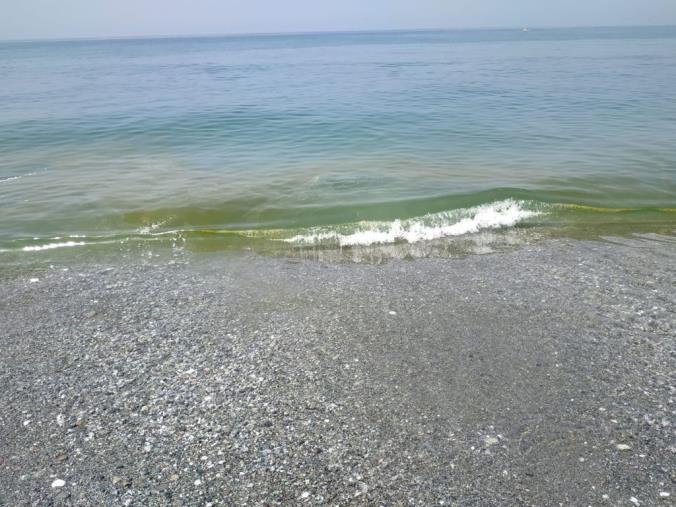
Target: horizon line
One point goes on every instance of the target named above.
(317, 32)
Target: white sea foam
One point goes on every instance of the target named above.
(18, 177)
(457, 222)
(148, 229)
(49, 246)
(10, 178)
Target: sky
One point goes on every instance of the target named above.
(38, 19)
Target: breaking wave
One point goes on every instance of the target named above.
(496, 215)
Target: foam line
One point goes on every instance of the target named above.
(457, 222)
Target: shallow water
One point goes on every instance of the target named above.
(335, 140)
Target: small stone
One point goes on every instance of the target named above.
(634, 500)
(122, 481)
(362, 489)
(58, 483)
(173, 477)
(623, 447)
(197, 482)
(664, 494)
(305, 494)
(490, 441)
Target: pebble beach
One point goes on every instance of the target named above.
(539, 376)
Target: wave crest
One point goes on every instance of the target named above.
(456, 222)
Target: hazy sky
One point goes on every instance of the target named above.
(102, 18)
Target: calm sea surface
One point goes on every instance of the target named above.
(335, 140)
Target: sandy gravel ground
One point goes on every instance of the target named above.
(541, 376)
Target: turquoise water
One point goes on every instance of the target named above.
(337, 140)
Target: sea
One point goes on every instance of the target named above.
(411, 142)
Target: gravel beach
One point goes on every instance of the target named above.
(539, 376)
